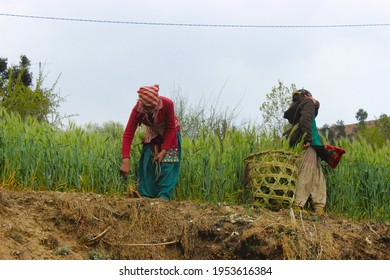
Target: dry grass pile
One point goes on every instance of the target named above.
(53, 225)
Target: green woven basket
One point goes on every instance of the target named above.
(272, 177)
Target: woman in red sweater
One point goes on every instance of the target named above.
(159, 164)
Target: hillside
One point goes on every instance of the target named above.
(349, 130)
(58, 226)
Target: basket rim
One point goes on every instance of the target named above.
(271, 151)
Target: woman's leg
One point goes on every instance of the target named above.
(169, 175)
(318, 193)
(305, 177)
(147, 186)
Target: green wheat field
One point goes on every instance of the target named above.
(36, 156)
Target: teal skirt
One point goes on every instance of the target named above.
(158, 180)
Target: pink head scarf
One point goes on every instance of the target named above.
(148, 95)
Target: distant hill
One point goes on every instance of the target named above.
(348, 130)
(351, 129)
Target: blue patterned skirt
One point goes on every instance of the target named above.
(159, 180)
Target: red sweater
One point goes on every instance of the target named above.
(165, 114)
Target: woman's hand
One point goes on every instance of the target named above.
(306, 145)
(125, 167)
(160, 156)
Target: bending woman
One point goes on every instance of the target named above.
(159, 163)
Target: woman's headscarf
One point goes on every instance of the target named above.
(148, 95)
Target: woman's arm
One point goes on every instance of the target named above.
(129, 133)
(307, 115)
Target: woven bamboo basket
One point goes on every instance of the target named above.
(272, 177)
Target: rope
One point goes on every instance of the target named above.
(198, 24)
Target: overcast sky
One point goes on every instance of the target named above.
(103, 64)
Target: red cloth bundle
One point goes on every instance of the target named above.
(335, 155)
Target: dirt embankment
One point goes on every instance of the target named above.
(53, 225)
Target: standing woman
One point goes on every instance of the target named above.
(159, 163)
(311, 180)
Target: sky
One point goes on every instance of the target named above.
(101, 65)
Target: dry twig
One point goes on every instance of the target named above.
(98, 237)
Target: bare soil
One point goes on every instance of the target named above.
(74, 226)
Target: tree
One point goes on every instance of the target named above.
(361, 116)
(203, 118)
(340, 129)
(13, 72)
(3, 72)
(114, 130)
(3, 68)
(277, 102)
(18, 94)
(328, 132)
(384, 123)
(379, 133)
